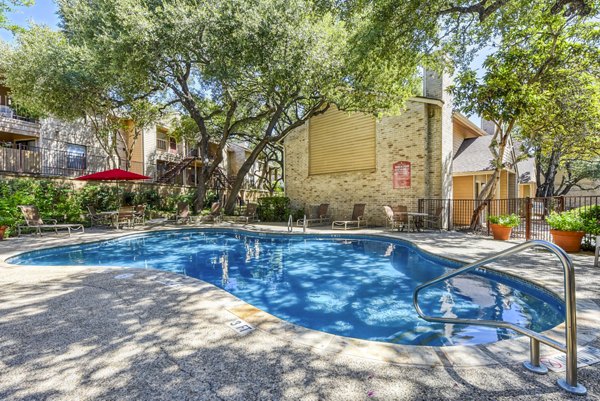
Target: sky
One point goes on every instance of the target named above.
(44, 12)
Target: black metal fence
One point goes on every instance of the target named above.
(459, 213)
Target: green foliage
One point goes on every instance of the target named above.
(55, 201)
(211, 197)
(274, 208)
(8, 6)
(506, 220)
(60, 201)
(590, 215)
(102, 197)
(566, 221)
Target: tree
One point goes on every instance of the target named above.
(50, 76)
(564, 133)
(7, 6)
(259, 68)
(530, 66)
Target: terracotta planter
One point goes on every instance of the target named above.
(499, 232)
(2, 230)
(570, 241)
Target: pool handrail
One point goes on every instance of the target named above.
(568, 384)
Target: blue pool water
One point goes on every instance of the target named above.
(355, 286)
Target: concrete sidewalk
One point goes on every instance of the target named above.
(74, 333)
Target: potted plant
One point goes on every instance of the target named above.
(567, 229)
(4, 225)
(503, 224)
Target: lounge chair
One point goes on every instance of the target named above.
(183, 214)
(33, 221)
(248, 215)
(358, 218)
(318, 216)
(395, 219)
(214, 215)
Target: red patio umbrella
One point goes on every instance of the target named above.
(113, 175)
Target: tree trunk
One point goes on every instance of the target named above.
(241, 175)
(489, 190)
(546, 188)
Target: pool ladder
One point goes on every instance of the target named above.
(290, 226)
(568, 384)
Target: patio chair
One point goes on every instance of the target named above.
(318, 215)
(435, 220)
(400, 211)
(248, 215)
(125, 216)
(394, 220)
(33, 221)
(139, 215)
(358, 219)
(98, 219)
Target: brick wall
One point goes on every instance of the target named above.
(422, 134)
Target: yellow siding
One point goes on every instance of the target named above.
(503, 185)
(339, 142)
(463, 187)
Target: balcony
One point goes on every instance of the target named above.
(48, 162)
(16, 124)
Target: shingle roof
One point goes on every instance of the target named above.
(526, 170)
(473, 155)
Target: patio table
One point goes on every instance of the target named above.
(111, 215)
(411, 218)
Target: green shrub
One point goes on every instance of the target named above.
(102, 197)
(566, 221)
(274, 208)
(590, 215)
(506, 220)
(54, 200)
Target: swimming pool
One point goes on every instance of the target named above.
(350, 285)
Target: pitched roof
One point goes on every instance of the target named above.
(473, 155)
(526, 169)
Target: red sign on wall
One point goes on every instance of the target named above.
(401, 175)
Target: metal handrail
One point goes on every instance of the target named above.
(290, 226)
(570, 349)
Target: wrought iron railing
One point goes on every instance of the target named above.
(533, 212)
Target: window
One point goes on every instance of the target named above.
(340, 142)
(76, 156)
(172, 145)
(161, 140)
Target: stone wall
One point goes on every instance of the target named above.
(422, 134)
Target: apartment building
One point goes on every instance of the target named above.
(50, 147)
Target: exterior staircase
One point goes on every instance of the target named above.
(177, 168)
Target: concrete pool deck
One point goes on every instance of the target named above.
(93, 333)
